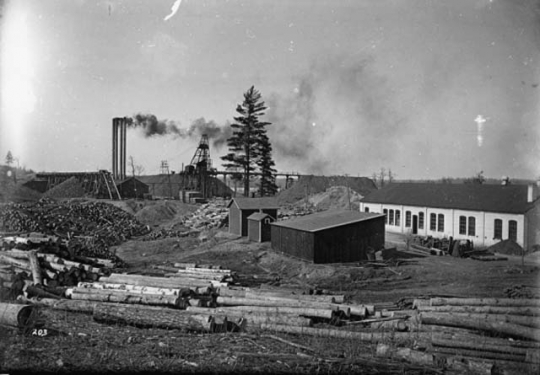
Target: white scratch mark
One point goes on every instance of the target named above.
(174, 9)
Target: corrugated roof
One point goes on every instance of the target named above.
(474, 197)
(258, 216)
(244, 203)
(326, 220)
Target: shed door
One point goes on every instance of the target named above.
(415, 224)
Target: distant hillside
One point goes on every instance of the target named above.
(11, 180)
(309, 185)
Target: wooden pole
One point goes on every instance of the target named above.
(125, 297)
(298, 311)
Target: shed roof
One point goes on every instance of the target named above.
(121, 182)
(326, 220)
(244, 203)
(474, 197)
(258, 216)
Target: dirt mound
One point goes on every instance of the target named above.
(71, 188)
(309, 185)
(19, 194)
(335, 197)
(507, 247)
(160, 212)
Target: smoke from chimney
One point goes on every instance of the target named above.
(152, 126)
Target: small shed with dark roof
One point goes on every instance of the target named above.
(132, 188)
(241, 208)
(259, 227)
(330, 236)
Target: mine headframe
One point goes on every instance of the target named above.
(201, 161)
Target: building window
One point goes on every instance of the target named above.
(498, 229)
(432, 222)
(420, 220)
(462, 225)
(366, 209)
(440, 223)
(408, 219)
(385, 212)
(398, 218)
(512, 230)
(472, 226)
(391, 218)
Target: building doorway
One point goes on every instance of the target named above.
(415, 224)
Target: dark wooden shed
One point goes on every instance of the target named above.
(259, 227)
(330, 236)
(241, 208)
(132, 188)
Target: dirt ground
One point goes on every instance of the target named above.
(76, 343)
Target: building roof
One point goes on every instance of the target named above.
(129, 179)
(327, 219)
(259, 216)
(244, 203)
(472, 197)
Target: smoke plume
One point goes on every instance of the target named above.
(152, 126)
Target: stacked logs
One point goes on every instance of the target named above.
(92, 226)
(476, 334)
(34, 273)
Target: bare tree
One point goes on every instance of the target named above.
(382, 177)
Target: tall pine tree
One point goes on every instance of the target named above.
(249, 134)
(266, 164)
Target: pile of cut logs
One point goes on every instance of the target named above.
(475, 335)
(94, 226)
(45, 274)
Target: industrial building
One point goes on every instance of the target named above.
(330, 236)
(484, 214)
(241, 208)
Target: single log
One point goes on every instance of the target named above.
(152, 281)
(64, 304)
(145, 316)
(17, 315)
(254, 317)
(123, 297)
(196, 276)
(485, 302)
(35, 267)
(485, 344)
(16, 253)
(322, 332)
(298, 311)
(35, 291)
(25, 265)
(514, 310)
(185, 265)
(482, 322)
(289, 296)
(132, 288)
(205, 270)
(166, 268)
(238, 301)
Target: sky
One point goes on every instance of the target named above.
(426, 88)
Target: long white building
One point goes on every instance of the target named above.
(484, 214)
